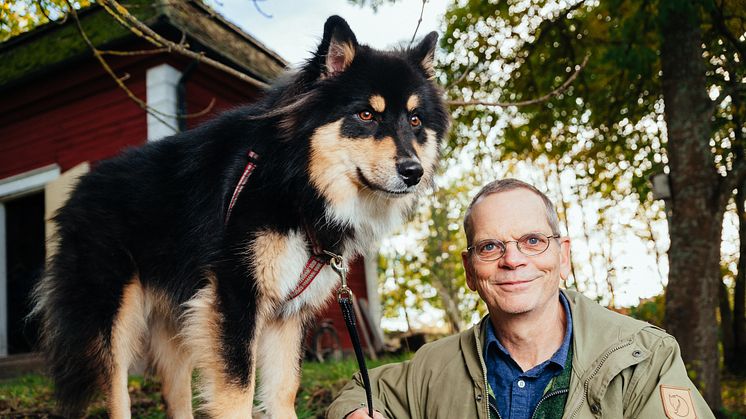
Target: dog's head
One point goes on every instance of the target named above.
(382, 121)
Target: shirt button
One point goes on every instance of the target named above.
(521, 383)
(479, 397)
(595, 409)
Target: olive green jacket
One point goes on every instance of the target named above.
(621, 368)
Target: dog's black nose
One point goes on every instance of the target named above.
(410, 171)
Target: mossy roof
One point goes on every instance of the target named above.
(53, 44)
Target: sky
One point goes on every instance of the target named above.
(295, 27)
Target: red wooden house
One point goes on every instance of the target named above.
(60, 111)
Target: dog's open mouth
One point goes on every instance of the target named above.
(375, 187)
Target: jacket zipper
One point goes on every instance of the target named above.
(486, 395)
(598, 368)
(546, 396)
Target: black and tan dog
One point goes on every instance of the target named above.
(157, 260)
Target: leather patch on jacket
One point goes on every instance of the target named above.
(678, 402)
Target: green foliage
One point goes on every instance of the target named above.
(609, 123)
(23, 15)
(650, 310)
(433, 273)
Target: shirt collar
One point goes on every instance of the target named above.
(559, 357)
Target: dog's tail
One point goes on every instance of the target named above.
(73, 347)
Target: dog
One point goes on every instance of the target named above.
(185, 252)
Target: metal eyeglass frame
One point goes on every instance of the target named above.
(504, 246)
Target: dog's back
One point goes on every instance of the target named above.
(151, 215)
(149, 263)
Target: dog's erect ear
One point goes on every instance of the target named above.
(337, 48)
(424, 54)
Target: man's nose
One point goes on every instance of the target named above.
(513, 257)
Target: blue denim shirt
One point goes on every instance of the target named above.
(516, 392)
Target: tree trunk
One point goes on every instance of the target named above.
(739, 294)
(695, 224)
(726, 329)
(450, 305)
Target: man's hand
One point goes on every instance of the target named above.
(362, 413)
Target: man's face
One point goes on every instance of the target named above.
(515, 283)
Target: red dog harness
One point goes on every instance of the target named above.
(314, 264)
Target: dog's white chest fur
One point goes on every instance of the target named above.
(278, 263)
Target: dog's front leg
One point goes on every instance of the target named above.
(222, 323)
(279, 359)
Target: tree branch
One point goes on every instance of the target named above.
(422, 11)
(259, 9)
(118, 80)
(564, 86)
(124, 17)
(459, 79)
(132, 53)
(98, 54)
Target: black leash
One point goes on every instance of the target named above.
(345, 297)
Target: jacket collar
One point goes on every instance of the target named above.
(472, 342)
(596, 330)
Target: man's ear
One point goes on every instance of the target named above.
(424, 54)
(468, 271)
(337, 48)
(565, 258)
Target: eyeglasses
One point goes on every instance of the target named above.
(530, 244)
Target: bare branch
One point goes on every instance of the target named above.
(459, 79)
(121, 14)
(258, 9)
(96, 53)
(564, 86)
(120, 80)
(131, 53)
(43, 10)
(422, 11)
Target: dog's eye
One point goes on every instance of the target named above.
(415, 121)
(365, 115)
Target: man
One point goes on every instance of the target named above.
(541, 352)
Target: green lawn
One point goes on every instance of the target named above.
(31, 395)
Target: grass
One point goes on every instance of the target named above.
(30, 396)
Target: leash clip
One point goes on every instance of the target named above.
(337, 263)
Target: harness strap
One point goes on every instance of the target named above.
(310, 271)
(250, 166)
(314, 264)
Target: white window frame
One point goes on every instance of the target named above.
(10, 188)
